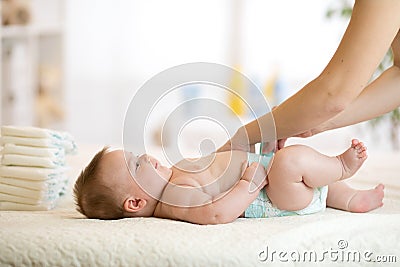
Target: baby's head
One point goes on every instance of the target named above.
(105, 189)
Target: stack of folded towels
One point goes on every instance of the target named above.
(33, 170)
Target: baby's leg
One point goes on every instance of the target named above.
(297, 169)
(342, 196)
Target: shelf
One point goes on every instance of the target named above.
(31, 58)
(18, 31)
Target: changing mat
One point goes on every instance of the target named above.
(63, 237)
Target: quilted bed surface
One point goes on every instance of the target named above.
(62, 237)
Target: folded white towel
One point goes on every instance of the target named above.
(54, 153)
(6, 205)
(38, 137)
(30, 161)
(49, 184)
(31, 173)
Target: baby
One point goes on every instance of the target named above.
(223, 186)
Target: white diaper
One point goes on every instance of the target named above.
(262, 207)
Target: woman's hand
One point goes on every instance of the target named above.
(274, 146)
(305, 134)
(239, 141)
(310, 132)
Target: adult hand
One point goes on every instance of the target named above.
(273, 146)
(238, 142)
(306, 134)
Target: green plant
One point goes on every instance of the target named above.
(343, 9)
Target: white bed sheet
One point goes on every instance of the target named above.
(62, 237)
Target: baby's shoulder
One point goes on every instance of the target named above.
(184, 192)
(179, 198)
(179, 188)
(186, 179)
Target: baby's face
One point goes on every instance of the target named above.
(142, 168)
(146, 167)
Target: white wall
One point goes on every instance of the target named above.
(114, 46)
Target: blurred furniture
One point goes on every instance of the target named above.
(31, 62)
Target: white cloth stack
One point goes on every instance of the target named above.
(33, 167)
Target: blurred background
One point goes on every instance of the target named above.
(75, 65)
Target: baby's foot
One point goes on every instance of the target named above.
(352, 158)
(366, 200)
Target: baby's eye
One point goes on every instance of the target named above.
(137, 165)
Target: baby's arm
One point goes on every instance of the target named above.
(256, 176)
(223, 208)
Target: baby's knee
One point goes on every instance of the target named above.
(291, 155)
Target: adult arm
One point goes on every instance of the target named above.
(380, 97)
(372, 28)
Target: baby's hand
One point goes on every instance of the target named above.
(256, 175)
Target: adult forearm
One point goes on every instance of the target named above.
(378, 98)
(341, 82)
(317, 102)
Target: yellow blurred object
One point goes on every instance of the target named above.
(235, 101)
(269, 89)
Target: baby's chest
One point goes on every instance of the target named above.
(202, 181)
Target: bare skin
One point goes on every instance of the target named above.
(353, 200)
(222, 190)
(352, 158)
(341, 95)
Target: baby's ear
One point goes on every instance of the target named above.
(132, 204)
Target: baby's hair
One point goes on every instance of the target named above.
(93, 197)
